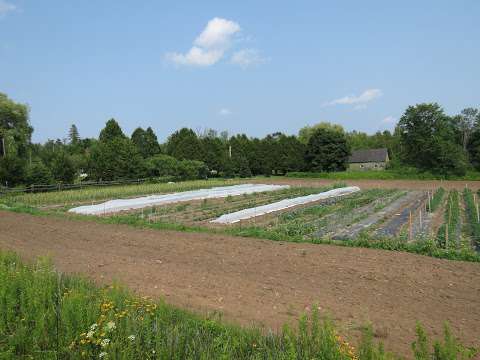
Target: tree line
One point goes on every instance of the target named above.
(425, 139)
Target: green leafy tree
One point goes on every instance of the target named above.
(291, 153)
(306, 132)
(214, 151)
(327, 150)
(115, 159)
(73, 135)
(115, 156)
(63, 168)
(15, 136)
(191, 169)
(12, 170)
(37, 173)
(111, 131)
(184, 145)
(162, 165)
(473, 148)
(427, 139)
(146, 142)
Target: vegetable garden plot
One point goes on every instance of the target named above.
(200, 212)
(369, 215)
(114, 206)
(282, 205)
(393, 227)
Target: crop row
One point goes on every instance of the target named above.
(448, 231)
(471, 209)
(435, 201)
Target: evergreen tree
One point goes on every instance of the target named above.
(111, 131)
(73, 135)
(184, 145)
(327, 150)
(38, 173)
(115, 159)
(146, 142)
(63, 168)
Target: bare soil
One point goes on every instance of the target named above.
(375, 184)
(261, 282)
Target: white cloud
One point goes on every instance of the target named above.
(362, 99)
(247, 57)
(210, 46)
(224, 112)
(196, 56)
(389, 120)
(217, 34)
(6, 7)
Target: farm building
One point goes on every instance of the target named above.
(369, 159)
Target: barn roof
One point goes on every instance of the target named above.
(369, 155)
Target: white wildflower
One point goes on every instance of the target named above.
(105, 342)
(131, 338)
(110, 325)
(102, 354)
(93, 327)
(90, 334)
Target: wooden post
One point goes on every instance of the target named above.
(478, 214)
(421, 222)
(429, 202)
(410, 226)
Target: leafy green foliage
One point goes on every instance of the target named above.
(146, 142)
(115, 159)
(111, 131)
(184, 144)
(448, 232)
(47, 314)
(436, 200)
(472, 216)
(63, 168)
(426, 127)
(327, 150)
(38, 174)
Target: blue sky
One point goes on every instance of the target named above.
(246, 66)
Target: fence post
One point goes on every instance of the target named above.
(446, 235)
(410, 226)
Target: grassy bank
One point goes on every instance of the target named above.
(403, 174)
(45, 315)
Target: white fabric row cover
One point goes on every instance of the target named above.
(281, 205)
(114, 206)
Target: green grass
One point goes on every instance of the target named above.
(46, 315)
(400, 174)
(95, 194)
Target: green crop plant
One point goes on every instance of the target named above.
(435, 200)
(472, 209)
(448, 231)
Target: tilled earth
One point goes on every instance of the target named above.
(375, 184)
(261, 282)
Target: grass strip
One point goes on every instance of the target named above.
(47, 315)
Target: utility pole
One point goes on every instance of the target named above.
(230, 151)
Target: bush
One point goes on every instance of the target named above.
(38, 174)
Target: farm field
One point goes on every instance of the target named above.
(263, 282)
(430, 221)
(207, 268)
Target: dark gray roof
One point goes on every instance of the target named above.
(369, 155)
